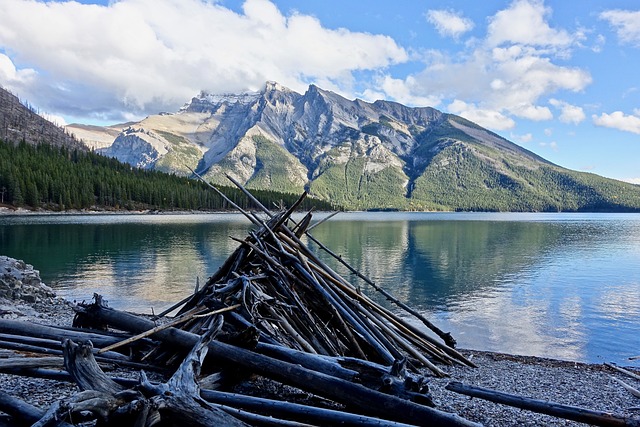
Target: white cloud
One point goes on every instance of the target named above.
(553, 145)
(618, 120)
(510, 73)
(569, 113)
(402, 91)
(626, 24)
(527, 137)
(531, 112)
(149, 56)
(11, 76)
(524, 22)
(55, 119)
(492, 119)
(449, 23)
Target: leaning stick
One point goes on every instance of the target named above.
(627, 387)
(167, 325)
(624, 371)
(446, 336)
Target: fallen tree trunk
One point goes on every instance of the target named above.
(574, 413)
(367, 401)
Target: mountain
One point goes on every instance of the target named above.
(360, 155)
(19, 122)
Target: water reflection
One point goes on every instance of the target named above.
(524, 286)
(142, 263)
(565, 286)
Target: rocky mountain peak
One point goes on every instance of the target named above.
(361, 154)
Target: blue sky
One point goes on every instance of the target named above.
(559, 78)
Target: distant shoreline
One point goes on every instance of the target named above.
(4, 211)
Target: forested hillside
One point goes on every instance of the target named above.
(59, 178)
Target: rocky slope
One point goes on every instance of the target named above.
(356, 154)
(19, 122)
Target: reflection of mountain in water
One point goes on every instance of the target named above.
(126, 256)
(429, 263)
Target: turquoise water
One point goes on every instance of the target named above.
(553, 285)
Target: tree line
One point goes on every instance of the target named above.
(47, 177)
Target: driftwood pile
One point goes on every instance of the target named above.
(273, 310)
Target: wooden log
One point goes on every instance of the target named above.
(179, 399)
(367, 401)
(574, 413)
(627, 387)
(624, 371)
(31, 362)
(260, 420)
(82, 366)
(21, 412)
(59, 375)
(128, 408)
(12, 345)
(35, 330)
(294, 411)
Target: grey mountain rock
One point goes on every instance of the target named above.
(355, 153)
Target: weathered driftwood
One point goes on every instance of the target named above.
(179, 399)
(627, 387)
(363, 399)
(22, 413)
(302, 229)
(296, 300)
(624, 371)
(296, 412)
(31, 362)
(574, 413)
(51, 333)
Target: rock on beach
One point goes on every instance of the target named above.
(24, 295)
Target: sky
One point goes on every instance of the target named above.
(557, 77)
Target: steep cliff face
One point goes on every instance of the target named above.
(357, 154)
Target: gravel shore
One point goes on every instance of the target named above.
(588, 386)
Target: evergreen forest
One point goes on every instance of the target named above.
(46, 177)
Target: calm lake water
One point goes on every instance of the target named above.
(555, 285)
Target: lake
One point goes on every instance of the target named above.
(560, 285)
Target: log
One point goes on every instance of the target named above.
(82, 366)
(57, 375)
(558, 410)
(128, 408)
(624, 371)
(627, 387)
(35, 330)
(21, 412)
(31, 362)
(180, 397)
(294, 411)
(367, 401)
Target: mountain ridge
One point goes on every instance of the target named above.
(360, 155)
